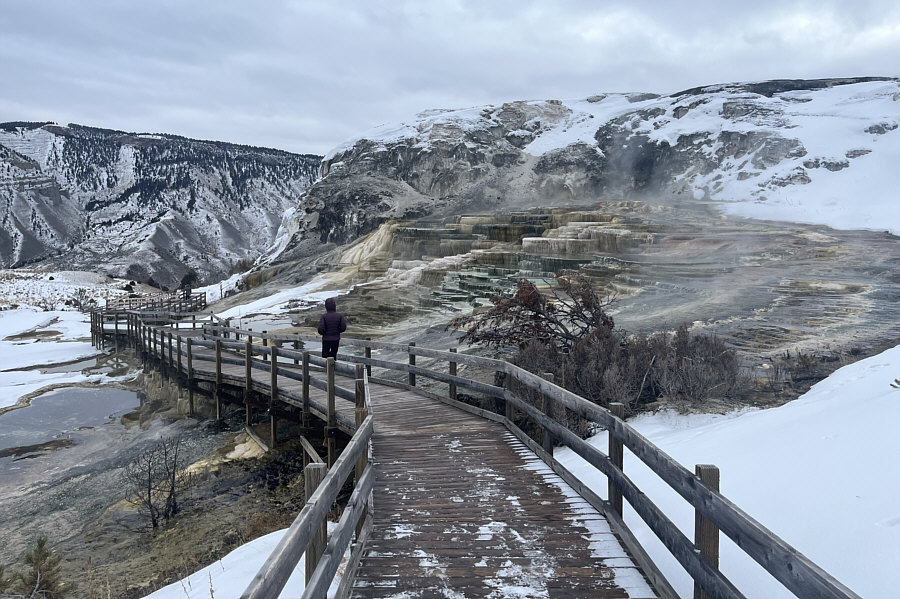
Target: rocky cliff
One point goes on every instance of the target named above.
(147, 207)
(787, 143)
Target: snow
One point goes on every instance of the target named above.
(53, 289)
(230, 575)
(830, 124)
(819, 472)
(15, 354)
(277, 303)
(217, 291)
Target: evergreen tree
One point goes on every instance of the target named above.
(41, 577)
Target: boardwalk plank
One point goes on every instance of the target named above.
(462, 510)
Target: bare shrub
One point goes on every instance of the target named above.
(561, 318)
(82, 300)
(154, 479)
(546, 361)
(566, 332)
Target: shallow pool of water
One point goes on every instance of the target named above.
(59, 413)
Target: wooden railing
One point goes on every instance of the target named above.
(180, 301)
(714, 511)
(156, 336)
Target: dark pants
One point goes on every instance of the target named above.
(329, 348)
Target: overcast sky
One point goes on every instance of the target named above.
(304, 76)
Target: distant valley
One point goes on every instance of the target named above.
(158, 209)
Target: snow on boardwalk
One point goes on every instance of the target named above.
(463, 509)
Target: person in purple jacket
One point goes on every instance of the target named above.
(331, 325)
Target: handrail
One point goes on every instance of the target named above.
(275, 572)
(787, 565)
(143, 330)
(794, 570)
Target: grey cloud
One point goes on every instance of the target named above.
(304, 75)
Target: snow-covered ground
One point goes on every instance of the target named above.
(821, 472)
(60, 290)
(229, 576)
(40, 325)
(282, 301)
(50, 338)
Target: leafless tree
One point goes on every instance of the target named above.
(154, 479)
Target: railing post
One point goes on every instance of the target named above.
(247, 380)
(296, 349)
(218, 379)
(313, 475)
(546, 435)
(171, 362)
(190, 375)
(452, 373)
(332, 415)
(273, 395)
(178, 345)
(368, 351)
(361, 413)
(304, 416)
(412, 362)
(706, 534)
(616, 456)
(116, 330)
(265, 341)
(508, 409)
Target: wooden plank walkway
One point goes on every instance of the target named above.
(464, 509)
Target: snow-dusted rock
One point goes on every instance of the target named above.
(141, 206)
(780, 149)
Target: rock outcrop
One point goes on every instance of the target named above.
(735, 144)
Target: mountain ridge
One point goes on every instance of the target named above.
(153, 207)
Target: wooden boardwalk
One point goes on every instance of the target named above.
(463, 509)
(462, 505)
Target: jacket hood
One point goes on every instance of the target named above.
(330, 305)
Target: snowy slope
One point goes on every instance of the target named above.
(800, 151)
(819, 472)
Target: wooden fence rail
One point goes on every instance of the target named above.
(787, 565)
(791, 568)
(158, 339)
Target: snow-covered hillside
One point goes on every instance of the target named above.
(141, 206)
(819, 471)
(805, 151)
